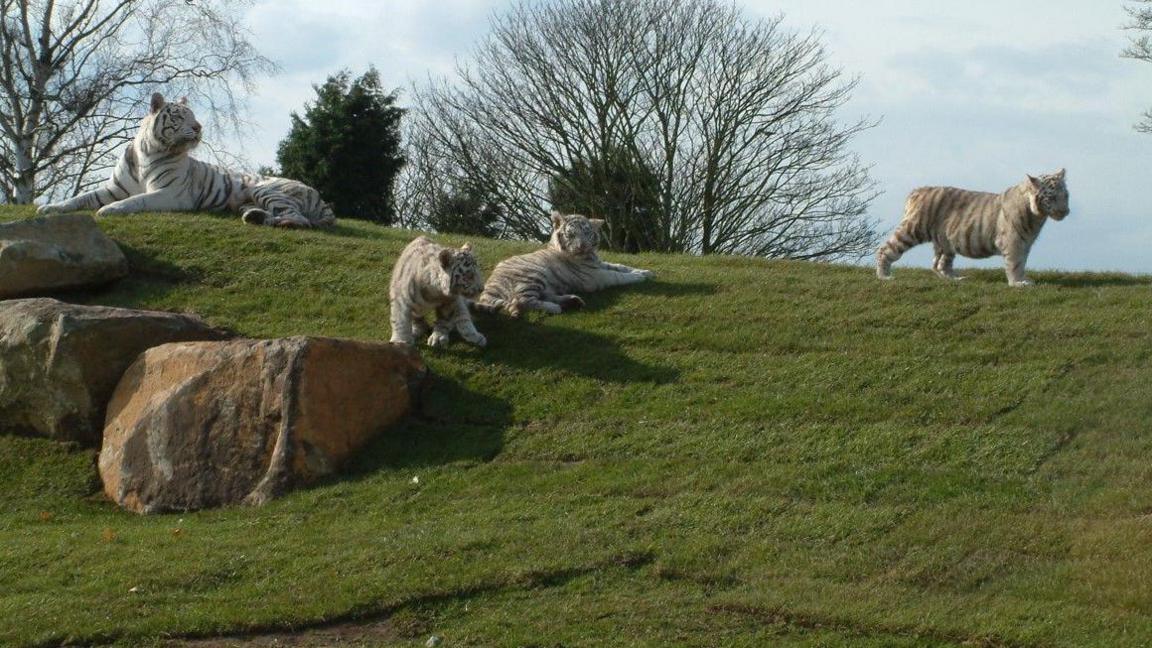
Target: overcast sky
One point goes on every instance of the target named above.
(972, 94)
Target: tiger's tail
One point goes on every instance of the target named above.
(903, 239)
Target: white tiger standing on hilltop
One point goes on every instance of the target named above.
(544, 279)
(977, 225)
(156, 174)
(430, 277)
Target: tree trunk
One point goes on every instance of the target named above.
(25, 186)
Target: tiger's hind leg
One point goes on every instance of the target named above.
(488, 305)
(278, 208)
(570, 302)
(942, 264)
(254, 215)
(404, 324)
(420, 328)
(524, 296)
(901, 241)
(290, 221)
(521, 307)
(455, 315)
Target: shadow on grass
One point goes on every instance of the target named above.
(149, 279)
(542, 344)
(449, 424)
(146, 266)
(654, 287)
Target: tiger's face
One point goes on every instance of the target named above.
(1050, 195)
(465, 277)
(575, 234)
(174, 125)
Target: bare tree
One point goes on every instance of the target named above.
(1141, 46)
(74, 74)
(735, 116)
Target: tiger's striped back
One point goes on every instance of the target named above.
(976, 224)
(965, 219)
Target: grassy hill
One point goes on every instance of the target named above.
(740, 453)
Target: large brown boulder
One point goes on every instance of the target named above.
(42, 255)
(204, 424)
(59, 363)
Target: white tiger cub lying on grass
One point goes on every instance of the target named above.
(545, 279)
(156, 174)
(430, 277)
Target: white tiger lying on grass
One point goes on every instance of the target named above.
(977, 224)
(544, 279)
(156, 174)
(430, 277)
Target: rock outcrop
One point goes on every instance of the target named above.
(203, 424)
(65, 251)
(60, 363)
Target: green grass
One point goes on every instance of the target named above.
(740, 453)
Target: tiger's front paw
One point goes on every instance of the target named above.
(477, 340)
(1022, 283)
(54, 208)
(438, 340)
(111, 210)
(647, 274)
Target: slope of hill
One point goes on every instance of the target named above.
(739, 453)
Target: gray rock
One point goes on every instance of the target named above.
(203, 424)
(42, 255)
(59, 363)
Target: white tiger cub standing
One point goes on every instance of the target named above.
(545, 279)
(157, 174)
(977, 225)
(430, 277)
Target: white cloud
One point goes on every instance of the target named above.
(405, 40)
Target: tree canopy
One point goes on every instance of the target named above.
(347, 146)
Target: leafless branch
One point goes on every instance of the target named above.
(1140, 47)
(735, 117)
(75, 76)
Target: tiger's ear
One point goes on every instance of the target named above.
(1034, 181)
(446, 259)
(157, 102)
(597, 223)
(184, 101)
(1060, 174)
(557, 219)
(467, 247)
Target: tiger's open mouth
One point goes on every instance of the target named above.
(189, 143)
